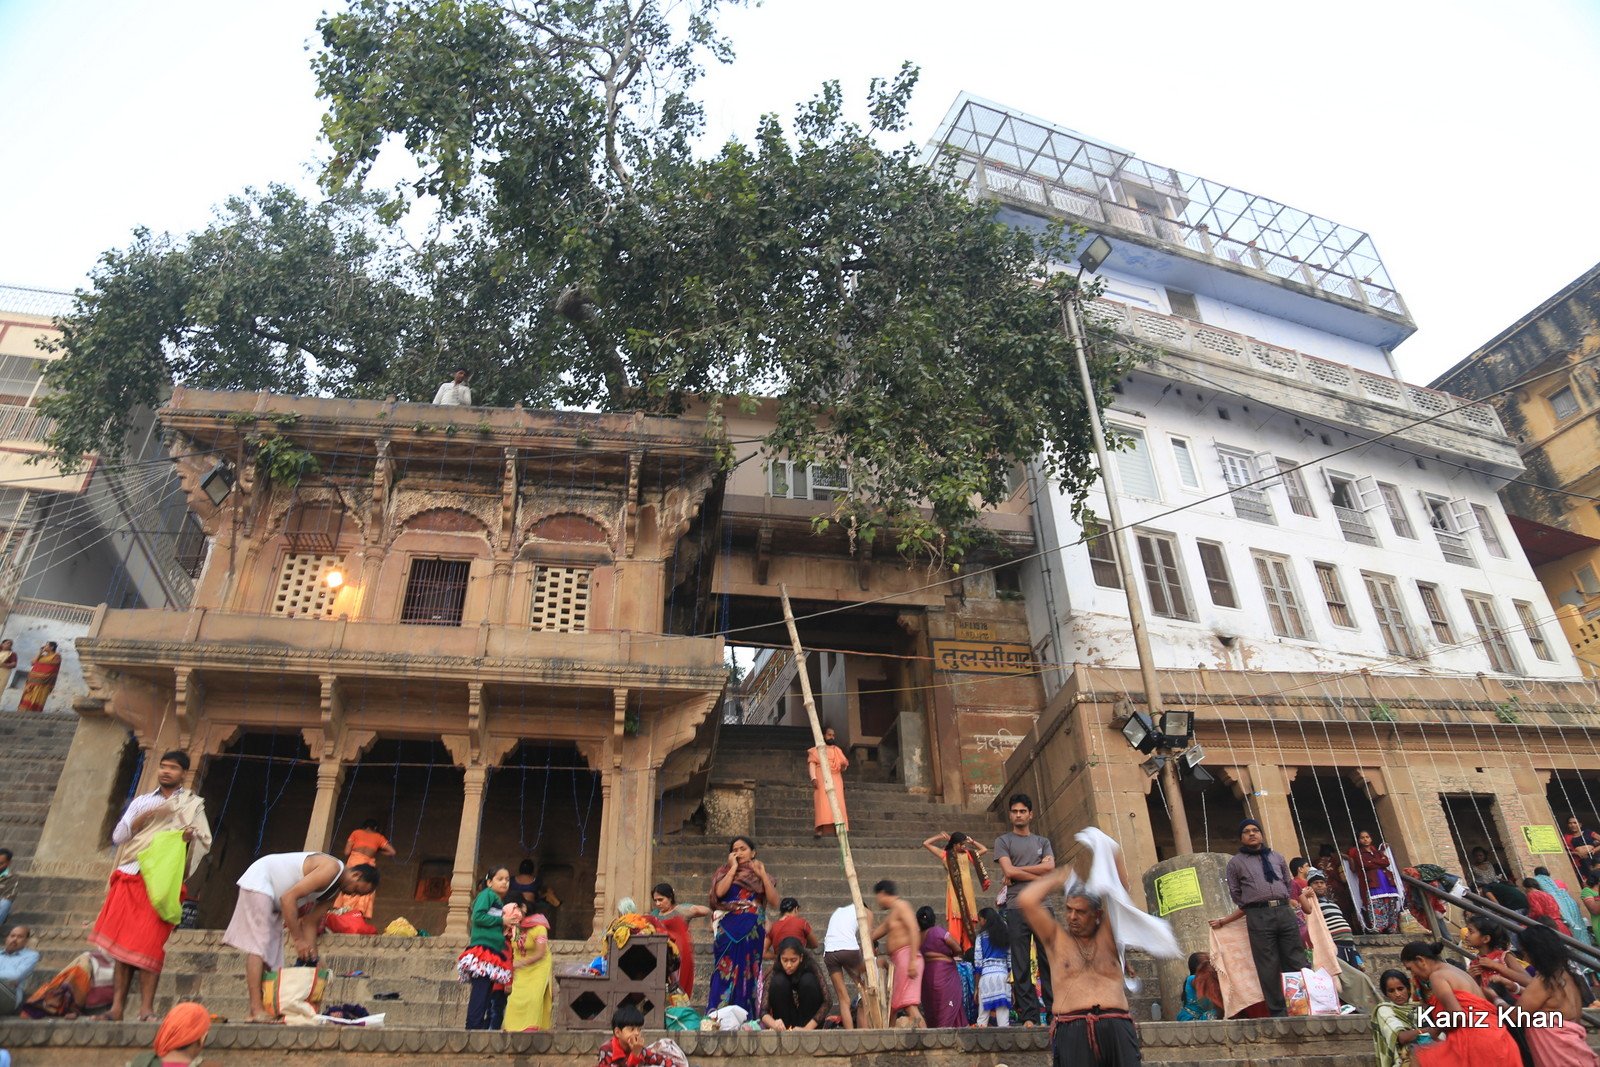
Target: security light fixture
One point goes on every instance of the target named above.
(1153, 765)
(1200, 776)
(218, 483)
(1177, 726)
(1139, 732)
(1091, 258)
(1192, 757)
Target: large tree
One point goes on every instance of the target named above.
(581, 252)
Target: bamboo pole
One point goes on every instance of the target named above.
(871, 1004)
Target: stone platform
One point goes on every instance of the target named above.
(1330, 1041)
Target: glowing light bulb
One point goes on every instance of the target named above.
(334, 579)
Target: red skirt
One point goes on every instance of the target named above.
(128, 929)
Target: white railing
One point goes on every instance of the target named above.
(1225, 346)
(54, 610)
(19, 423)
(25, 300)
(1354, 525)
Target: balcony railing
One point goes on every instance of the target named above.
(20, 423)
(1355, 527)
(1455, 548)
(24, 300)
(1219, 345)
(54, 610)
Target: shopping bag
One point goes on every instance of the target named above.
(1295, 995)
(1322, 992)
(162, 866)
(295, 993)
(668, 1050)
(683, 1018)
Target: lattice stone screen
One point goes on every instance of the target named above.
(303, 591)
(561, 599)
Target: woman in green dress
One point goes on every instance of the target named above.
(1394, 1021)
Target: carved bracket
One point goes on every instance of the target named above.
(630, 507)
(619, 724)
(330, 713)
(508, 502)
(1371, 780)
(1237, 779)
(188, 698)
(477, 722)
(382, 483)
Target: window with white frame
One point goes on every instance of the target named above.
(1136, 475)
(1102, 555)
(1587, 581)
(1294, 483)
(1163, 579)
(1487, 622)
(1283, 602)
(1219, 583)
(1433, 606)
(800, 481)
(1239, 471)
(1353, 498)
(1450, 520)
(1397, 512)
(1333, 595)
(1491, 536)
(1530, 626)
(1563, 402)
(1183, 459)
(1392, 622)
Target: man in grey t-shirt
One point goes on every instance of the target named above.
(1023, 856)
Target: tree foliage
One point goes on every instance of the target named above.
(584, 254)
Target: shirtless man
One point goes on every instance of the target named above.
(900, 924)
(1090, 1008)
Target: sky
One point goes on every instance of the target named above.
(1458, 133)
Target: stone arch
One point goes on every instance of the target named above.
(569, 527)
(445, 520)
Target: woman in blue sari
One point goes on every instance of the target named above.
(742, 890)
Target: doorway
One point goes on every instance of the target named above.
(1474, 822)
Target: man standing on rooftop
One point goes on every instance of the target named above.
(455, 393)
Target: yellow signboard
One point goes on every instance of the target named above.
(1177, 890)
(1543, 840)
(982, 657)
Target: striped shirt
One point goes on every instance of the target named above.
(1338, 925)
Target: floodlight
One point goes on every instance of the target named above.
(1139, 732)
(1153, 765)
(1177, 726)
(1200, 776)
(1193, 756)
(217, 483)
(1098, 251)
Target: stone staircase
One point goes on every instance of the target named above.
(34, 748)
(887, 828)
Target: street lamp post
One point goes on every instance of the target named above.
(1093, 256)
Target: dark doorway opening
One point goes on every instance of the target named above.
(1474, 822)
(1330, 809)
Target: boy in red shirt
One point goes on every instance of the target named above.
(626, 1047)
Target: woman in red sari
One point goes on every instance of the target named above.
(674, 918)
(41, 678)
(1453, 990)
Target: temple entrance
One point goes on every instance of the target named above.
(544, 804)
(1330, 809)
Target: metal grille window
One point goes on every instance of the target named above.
(1158, 553)
(1487, 621)
(1446, 527)
(1249, 501)
(190, 551)
(436, 592)
(1491, 536)
(1102, 555)
(1347, 508)
(302, 591)
(1397, 512)
(561, 599)
(1530, 626)
(1333, 593)
(1294, 481)
(1136, 476)
(1391, 615)
(1218, 583)
(1563, 402)
(1283, 604)
(1183, 459)
(1433, 604)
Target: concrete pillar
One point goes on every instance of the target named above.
(1191, 924)
(1269, 802)
(319, 831)
(464, 879)
(82, 810)
(604, 884)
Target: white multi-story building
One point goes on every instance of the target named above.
(107, 533)
(1290, 507)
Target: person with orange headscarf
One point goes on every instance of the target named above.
(181, 1037)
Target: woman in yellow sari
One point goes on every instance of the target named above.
(528, 1007)
(41, 678)
(964, 877)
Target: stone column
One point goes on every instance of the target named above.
(330, 774)
(464, 879)
(1270, 803)
(604, 886)
(83, 808)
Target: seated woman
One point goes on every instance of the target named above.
(1202, 991)
(1394, 1022)
(794, 993)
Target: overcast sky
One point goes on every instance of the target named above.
(1459, 134)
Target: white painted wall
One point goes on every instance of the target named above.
(1093, 620)
(27, 633)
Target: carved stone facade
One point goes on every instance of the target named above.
(435, 531)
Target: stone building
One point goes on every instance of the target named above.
(1539, 373)
(1329, 579)
(475, 625)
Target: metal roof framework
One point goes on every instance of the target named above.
(1006, 153)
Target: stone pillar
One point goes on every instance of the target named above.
(83, 808)
(1269, 802)
(464, 880)
(319, 831)
(1191, 925)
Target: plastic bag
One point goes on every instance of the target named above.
(1296, 998)
(295, 993)
(683, 1018)
(1322, 992)
(731, 1017)
(668, 1050)
(348, 922)
(400, 928)
(162, 865)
